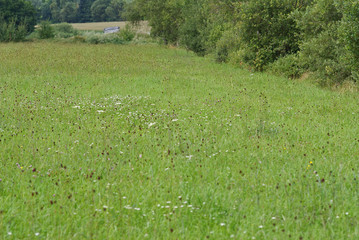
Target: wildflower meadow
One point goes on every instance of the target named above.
(150, 142)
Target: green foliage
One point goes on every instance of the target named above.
(15, 13)
(69, 12)
(84, 11)
(134, 11)
(114, 10)
(64, 30)
(98, 10)
(323, 50)
(316, 18)
(192, 32)
(324, 55)
(288, 66)
(79, 10)
(227, 45)
(45, 30)
(127, 34)
(267, 31)
(107, 10)
(55, 12)
(10, 31)
(349, 31)
(164, 16)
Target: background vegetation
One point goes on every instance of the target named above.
(17, 19)
(72, 11)
(288, 37)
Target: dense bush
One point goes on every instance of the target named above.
(227, 45)
(64, 30)
(17, 19)
(192, 32)
(45, 30)
(127, 34)
(10, 31)
(267, 31)
(323, 51)
(18, 12)
(349, 32)
(288, 66)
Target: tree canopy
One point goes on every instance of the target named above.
(79, 10)
(19, 12)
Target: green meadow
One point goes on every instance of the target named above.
(148, 142)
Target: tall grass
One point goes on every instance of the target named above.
(135, 142)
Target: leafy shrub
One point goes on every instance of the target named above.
(287, 66)
(127, 34)
(12, 32)
(227, 44)
(349, 31)
(21, 33)
(316, 18)
(18, 12)
(64, 30)
(267, 31)
(192, 32)
(323, 51)
(326, 56)
(45, 30)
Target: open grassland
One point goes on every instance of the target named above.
(136, 142)
(142, 27)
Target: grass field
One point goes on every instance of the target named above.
(145, 142)
(100, 26)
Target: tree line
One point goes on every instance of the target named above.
(79, 10)
(290, 37)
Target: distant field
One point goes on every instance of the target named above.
(146, 142)
(99, 26)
